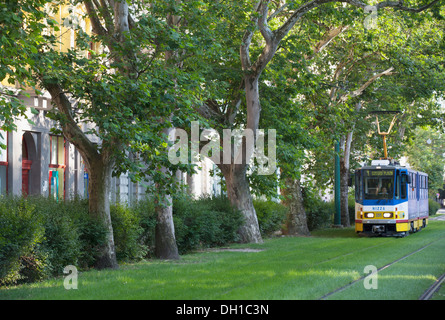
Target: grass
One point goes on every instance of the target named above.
(287, 268)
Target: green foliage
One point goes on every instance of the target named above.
(20, 232)
(204, 222)
(271, 215)
(433, 206)
(20, 37)
(318, 212)
(425, 153)
(127, 231)
(39, 237)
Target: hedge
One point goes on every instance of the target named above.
(39, 236)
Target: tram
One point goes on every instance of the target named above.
(390, 199)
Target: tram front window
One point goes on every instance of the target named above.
(379, 184)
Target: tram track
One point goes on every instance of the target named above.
(425, 296)
(428, 294)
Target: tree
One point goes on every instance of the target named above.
(426, 153)
(273, 21)
(122, 92)
(364, 72)
(21, 34)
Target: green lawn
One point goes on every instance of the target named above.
(286, 268)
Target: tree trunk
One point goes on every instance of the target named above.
(165, 240)
(191, 184)
(238, 192)
(344, 178)
(238, 189)
(99, 208)
(99, 167)
(296, 220)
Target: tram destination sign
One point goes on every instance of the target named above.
(379, 173)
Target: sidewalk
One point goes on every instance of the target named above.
(441, 215)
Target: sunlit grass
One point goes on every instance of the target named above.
(286, 268)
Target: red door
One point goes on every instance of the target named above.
(26, 166)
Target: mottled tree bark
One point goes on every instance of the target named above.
(99, 207)
(238, 192)
(296, 220)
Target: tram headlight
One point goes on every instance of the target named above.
(369, 214)
(387, 215)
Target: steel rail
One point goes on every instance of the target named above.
(433, 289)
(380, 269)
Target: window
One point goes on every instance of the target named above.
(403, 185)
(57, 167)
(3, 162)
(379, 184)
(57, 150)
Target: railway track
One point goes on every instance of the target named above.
(425, 296)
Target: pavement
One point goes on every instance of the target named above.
(440, 215)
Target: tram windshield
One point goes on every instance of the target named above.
(379, 184)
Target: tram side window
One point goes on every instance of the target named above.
(397, 186)
(403, 183)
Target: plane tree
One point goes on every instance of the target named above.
(268, 24)
(113, 93)
(396, 66)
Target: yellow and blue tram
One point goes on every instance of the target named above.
(390, 200)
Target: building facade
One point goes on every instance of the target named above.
(38, 162)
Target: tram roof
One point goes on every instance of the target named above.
(387, 165)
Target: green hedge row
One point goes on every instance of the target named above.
(39, 237)
(433, 206)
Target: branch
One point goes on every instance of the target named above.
(121, 14)
(306, 7)
(97, 26)
(208, 112)
(104, 9)
(366, 85)
(70, 129)
(331, 35)
(278, 11)
(262, 22)
(394, 4)
(281, 32)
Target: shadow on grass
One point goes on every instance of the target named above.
(335, 233)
